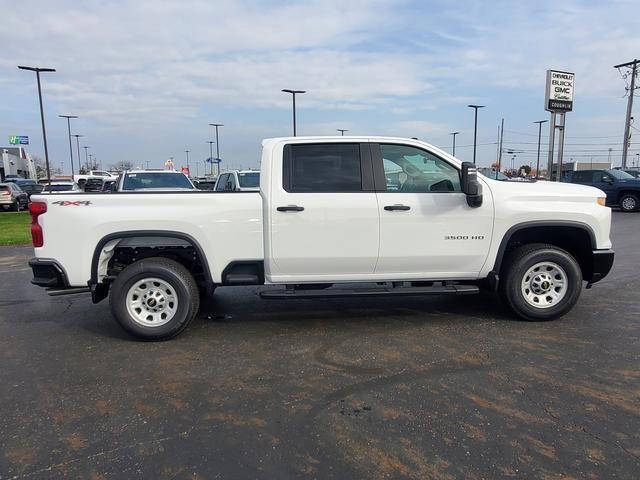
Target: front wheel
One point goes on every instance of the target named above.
(540, 282)
(154, 299)
(629, 202)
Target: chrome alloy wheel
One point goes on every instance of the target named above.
(544, 285)
(629, 203)
(152, 302)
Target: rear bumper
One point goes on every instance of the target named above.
(601, 263)
(48, 273)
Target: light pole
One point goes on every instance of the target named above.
(211, 142)
(539, 122)
(91, 162)
(293, 95)
(44, 132)
(453, 134)
(86, 157)
(342, 130)
(217, 145)
(69, 117)
(187, 152)
(78, 146)
(475, 128)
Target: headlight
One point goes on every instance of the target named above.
(601, 201)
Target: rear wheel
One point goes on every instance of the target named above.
(154, 299)
(540, 282)
(629, 202)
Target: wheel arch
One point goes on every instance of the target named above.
(100, 290)
(576, 237)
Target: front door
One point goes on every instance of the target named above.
(427, 230)
(323, 214)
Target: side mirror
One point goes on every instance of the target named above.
(470, 185)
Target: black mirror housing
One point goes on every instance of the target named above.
(470, 184)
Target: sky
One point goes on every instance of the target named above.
(147, 77)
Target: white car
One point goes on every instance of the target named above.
(397, 213)
(154, 180)
(238, 181)
(61, 187)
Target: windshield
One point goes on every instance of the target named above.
(249, 179)
(58, 188)
(137, 181)
(32, 187)
(620, 175)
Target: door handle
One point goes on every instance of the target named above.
(391, 208)
(290, 208)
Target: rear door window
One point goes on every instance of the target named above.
(310, 168)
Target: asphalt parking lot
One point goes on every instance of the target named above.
(437, 387)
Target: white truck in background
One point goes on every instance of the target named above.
(103, 175)
(399, 214)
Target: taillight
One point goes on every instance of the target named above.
(36, 209)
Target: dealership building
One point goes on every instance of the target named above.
(16, 161)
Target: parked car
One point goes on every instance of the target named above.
(12, 197)
(489, 173)
(633, 173)
(60, 187)
(31, 187)
(622, 189)
(154, 180)
(109, 186)
(81, 179)
(205, 183)
(326, 215)
(238, 181)
(93, 185)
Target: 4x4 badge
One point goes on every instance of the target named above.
(67, 203)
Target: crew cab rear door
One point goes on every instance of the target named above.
(322, 213)
(427, 229)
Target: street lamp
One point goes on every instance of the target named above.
(453, 134)
(211, 142)
(475, 128)
(187, 152)
(69, 117)
(86, 157)
(293, 95)
(44, 132)
(217, 145)
(78, 147)
(342, 130)
(539, 122)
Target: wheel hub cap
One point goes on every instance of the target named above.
(152, 302)
(544, 285)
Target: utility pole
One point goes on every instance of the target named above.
(187, 152)
(211, 142)
(633, 65)
(500, 149)
(539, 122)
(217, 144)
(86, 157)
(69, 117)
(78, 146)
(475, 128)
(453, 134)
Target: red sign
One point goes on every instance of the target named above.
(185, 170)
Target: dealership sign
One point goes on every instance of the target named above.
(18, 140)
(559, 91)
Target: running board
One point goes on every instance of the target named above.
(56, 292)
(371, 292)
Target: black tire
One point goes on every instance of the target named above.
(629, 202)
(520, 261)
(16, 206)
(170, 272)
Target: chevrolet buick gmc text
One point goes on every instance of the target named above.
(398, 214)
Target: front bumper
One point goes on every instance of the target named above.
(47, 273)
(601, 263)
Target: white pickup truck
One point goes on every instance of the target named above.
(398, 214)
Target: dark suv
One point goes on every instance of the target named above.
(622, 189)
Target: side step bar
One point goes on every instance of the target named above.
(56, 292)
(371, 292)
